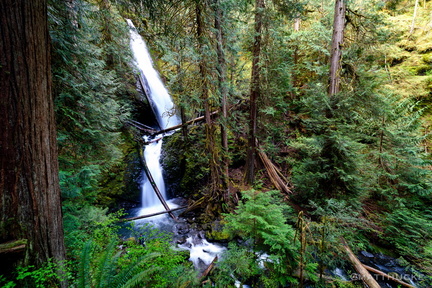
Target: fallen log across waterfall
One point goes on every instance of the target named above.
(152, 132)
(198, 119)
(155, 188)
(140, 126)
(152, 141)
(151, 215)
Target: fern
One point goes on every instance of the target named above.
(133, 275)
(261, 221)
(84, 266)
(106, 267)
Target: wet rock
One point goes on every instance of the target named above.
(196, 241)
(201, 266)
(182, 228)
(187, 245)
(191, 220)
(367, 254)
(181, 240)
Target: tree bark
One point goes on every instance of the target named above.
(386, 276)
(30, 205)
(152, 214)
(336, 49)
(255, 91)
(295, 71)
(364, 275)
(414, 17)
(222, 87)
(209, 126)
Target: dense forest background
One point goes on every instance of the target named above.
(285, 166)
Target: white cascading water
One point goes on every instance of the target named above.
(202, 252)
(164, 109)
(158, 94)
(152, 153)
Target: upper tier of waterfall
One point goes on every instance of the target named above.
(162, 103)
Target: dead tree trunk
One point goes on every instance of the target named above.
(150, 215)
(414, 17)
(388, 277)
(336, 49)
(364, 275)
(295, 73)
(156, 189)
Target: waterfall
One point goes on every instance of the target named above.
(164, 110)
(154, 87)
(152, 153)
(202, 252)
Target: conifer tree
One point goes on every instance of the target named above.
(254, 91)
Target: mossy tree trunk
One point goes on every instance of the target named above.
(211, 149)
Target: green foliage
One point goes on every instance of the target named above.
(146, 259)
(361, 146)
(336, 219)
(42, 277)
(50, 274)
(6, 283)
(174, 269)
(93, 89)
(409, 230)
(186, 160)
(103, 272)
(329, 159)
(237, 263)
(86, 223)
(266, 232)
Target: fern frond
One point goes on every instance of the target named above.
(106, 267)
(132, 275)
(84, 266)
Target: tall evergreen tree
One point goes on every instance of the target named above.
(254, 91)
(219, 15)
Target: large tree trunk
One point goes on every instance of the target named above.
(30, 206)
(223, 90)
(336, 49)
(209, 126)
(255, 91)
